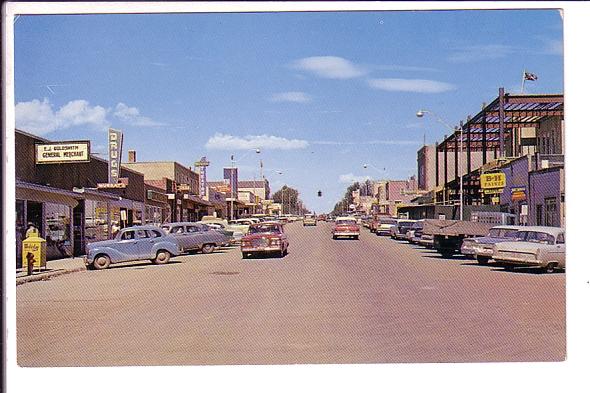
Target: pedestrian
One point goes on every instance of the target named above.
(31, 231)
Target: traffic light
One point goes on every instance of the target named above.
(319, 193)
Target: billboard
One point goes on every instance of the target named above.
(231, 174)
(115, 151)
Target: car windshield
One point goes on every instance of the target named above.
(264, 229)
(346, 222)
(405, 224)
(417, 225)
(509, 233)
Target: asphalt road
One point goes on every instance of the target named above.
(374, 300)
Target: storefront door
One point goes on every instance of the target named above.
(79, 243)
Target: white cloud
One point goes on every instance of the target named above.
(291, 96)
(38, 117)
(475, 53)
(331, 67)
(131, 115)
(351, 178)
(410, 85)
(221, 141)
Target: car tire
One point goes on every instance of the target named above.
(482, 260)
(446, 253)
(162, 257)
(355, 237)
(550, 268)
(207, 248)
(334, 237)
(245, 255)
(101, 262)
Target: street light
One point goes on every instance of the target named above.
(421, 114)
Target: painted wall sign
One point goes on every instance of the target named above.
(62, 152)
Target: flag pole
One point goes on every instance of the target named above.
(522, 85)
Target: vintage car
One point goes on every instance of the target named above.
(130, 244)
(537, 246)
(265, 238)
(481, 248)
(346, 227)
(384, 226)
(374, 221)
(196, 237)
(309, 219)
(426, 240)
(399, 230)
(414, 234)
(220, 226)
(243, 228)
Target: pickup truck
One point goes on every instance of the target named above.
(448, 235)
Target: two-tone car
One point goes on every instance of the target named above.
(482, 248)
(384, 225)
(414, 234)
(346, 227)
(536, 246)
(310, 219)
(401, 227)
(192, 236)
(130, 244)
(265, 238)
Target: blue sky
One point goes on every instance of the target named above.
(320, 94)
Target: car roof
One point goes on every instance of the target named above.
(508, 227)
(550, 230)
(183, 223)
(142, 227)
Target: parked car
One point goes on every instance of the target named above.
(130, 244)
(481, 248)
(399, 230)
(221, 227)
(265, 238)
(538, 246)
(374, 223)
(243, 228)
(414, 234)
(426, 240)
(195, 237)
(346, 227)
(310, 219)
(385, 225)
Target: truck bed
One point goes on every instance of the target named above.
(456, 228)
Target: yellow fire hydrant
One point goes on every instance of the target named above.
(34, 253)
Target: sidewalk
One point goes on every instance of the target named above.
(54, 268)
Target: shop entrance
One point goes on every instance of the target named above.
(79, 222)
(35, 216)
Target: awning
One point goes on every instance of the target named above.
(197, 200)
(95, 195)
(41, 193)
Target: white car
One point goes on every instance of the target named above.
(538, 246)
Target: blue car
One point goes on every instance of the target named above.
(130, 244)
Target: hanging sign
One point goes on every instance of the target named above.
(115, 151)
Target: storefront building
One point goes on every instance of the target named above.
(63, 202)
(547, 197)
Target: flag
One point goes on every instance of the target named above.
(529, 76)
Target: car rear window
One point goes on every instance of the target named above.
(264, 229)
(155, 233)
(346, 222)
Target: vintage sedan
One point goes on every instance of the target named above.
(265, 238)
(130, 244)
(481, 248)
(346, 227)
(195, 237)
(310, 219)
(536, 246)
(384, 226)
(399, 230)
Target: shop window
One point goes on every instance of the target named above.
(95, 222)
(58, 231)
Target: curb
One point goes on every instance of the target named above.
(47, 276)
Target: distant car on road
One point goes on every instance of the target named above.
(400, 229)
(265, 238)
(538, 246)
(130, 244)
(195, 237)
(374, 222)
(481, 248)
(346, 227)
(414, 234)
(310, 219)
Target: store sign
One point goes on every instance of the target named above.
(518, 194)
(115, 151)
(62, 152)
(231, 175)
(183, 187)
(123, 183)
(492, 191)
(492, 180)
(202, 165)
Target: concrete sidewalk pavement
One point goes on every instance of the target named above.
(53, 268)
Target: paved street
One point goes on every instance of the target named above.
(374, 300)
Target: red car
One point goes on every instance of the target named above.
(265, 238)
(346, 227)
